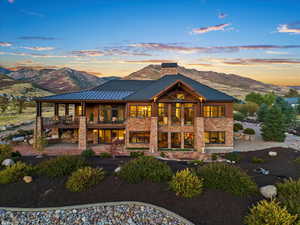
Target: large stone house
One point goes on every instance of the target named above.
(173, 113)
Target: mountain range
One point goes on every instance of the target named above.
(67, 80)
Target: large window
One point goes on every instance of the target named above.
(111, 113)
(139, 137)
(214, 137)
(188, 113)
(189, 140)
(214, 111)
(139, 111)
(163, 140)
(175, 140)
(162, 114)
(108, 136)
(176, 114)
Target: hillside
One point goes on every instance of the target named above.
(232, 84)
(58, 80)
(19, 88)
(4, 70)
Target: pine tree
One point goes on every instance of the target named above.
(262, 112)
(273, 128)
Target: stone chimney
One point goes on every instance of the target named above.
(169, 69)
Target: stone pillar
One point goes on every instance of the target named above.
(182, 140)
(169, 140)
(199, 134)
(153, 135)
(55, 133)
(38, 131)
(82, 135)
(95, 136)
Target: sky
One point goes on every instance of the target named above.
(259, 39)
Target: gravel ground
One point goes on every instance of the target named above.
(125, 214)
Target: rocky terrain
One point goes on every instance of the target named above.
(232, 84)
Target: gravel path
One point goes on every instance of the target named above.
(109, 214)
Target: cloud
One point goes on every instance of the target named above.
(5, 44)
(253, 61)
(31, 13)
(203, 30)
(37, 38)
(87, 53)
(37, 55)
(222, 15)
(289, 28)
(213, 49)
(149, 61)
(200, 64)
(276, 53)
(109, 52)
(39, 48)
(11, 1)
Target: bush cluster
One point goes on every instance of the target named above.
(257, 160)
(289, 195)
(5, 152)
(249, 131)
(84, 178)
(88, 153)
(269, 212)
(145, 168)
(233, 156)
(186, 184)
(237, 127)
(15, 172)
(105, 155)
(227, 178)
(60, 166)
(136, 154)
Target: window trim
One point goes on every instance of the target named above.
(209, 143)
(136, 111)
(210, 112)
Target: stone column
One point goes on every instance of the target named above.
(153, 135)
(169, 140)
(199, 134)
(82, 134)
(38, 132)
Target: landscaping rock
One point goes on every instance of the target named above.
(27, 179)
(269, 191)
(22, 138)
(118, 169)
(272, 154)
(8, 162)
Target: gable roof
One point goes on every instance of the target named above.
(140, 90)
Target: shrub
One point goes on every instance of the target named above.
(249, 131)
(186, 184)
(136, 154)
(84, 178)
(237, 127)
(269, 213)
(214, 156)
(16, 155)
(257, 160)
(297, 160)
(105, 155)
(239, 116)
(227, 178)
(15, 172)
(5, 152)
(289, 195)
(88, 153)
(196, 162)
(233, 156)
(145, 168)
(163, 155)
(60, 166)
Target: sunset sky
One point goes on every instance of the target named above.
(259, 39)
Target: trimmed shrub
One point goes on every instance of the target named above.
(237, 127)
(239, 116)
(297, 160)
(16, 155)
(249, 131)
(257, 160)
(84, 178)
(15, 172)
(233, 156)
(5, 152)
(196, 162)
(214, 156)
(105, 155)
(60, 166)
(136, 154)
(227, 178)
(289, 195)
(145, 168)
(269, 213)
(186, 184)
(88, 153)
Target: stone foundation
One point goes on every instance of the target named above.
(82, 134)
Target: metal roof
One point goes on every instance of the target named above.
(292, 100)
(140, 90)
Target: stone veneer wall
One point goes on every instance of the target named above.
(38, 131)
(82, 134)
(153, 134)
(199, 134)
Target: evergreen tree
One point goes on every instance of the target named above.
(273, 128)
(289, 113)
(262, 112)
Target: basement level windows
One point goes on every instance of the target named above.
(214, 137)
(214, 111)
(139, 111)
(139, 137)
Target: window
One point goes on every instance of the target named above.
(188, 113)
(188, 140)
(139, 137)
(214, 111)
(111, 113)
(214, 137)
(107, 136)
(175, 140)
(180, 96)
(162, 114)
(163, 140)
(139, 111)
(176, 114)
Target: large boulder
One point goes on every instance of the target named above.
(272, 154)
(27, 179)
(269, 191)
(8, 162)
